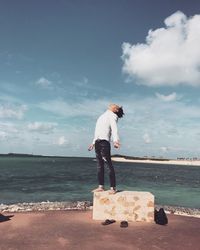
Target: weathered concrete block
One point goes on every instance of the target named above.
(125, 205)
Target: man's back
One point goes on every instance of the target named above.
(106, 124)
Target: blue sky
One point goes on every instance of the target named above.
(62, 62)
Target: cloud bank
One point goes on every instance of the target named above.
(160, 124)
(11, 112)
(41, 127)
(170, 56)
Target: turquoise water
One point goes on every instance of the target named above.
(36, 179)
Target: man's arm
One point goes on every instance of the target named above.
(114, 129)
(116, 144)
(90, 147)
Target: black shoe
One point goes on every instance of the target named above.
(124, 223)
(107, 222)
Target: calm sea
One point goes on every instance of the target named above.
(36, 179)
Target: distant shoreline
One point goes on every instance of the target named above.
(39, 156)
(117, 158)
(165, 162)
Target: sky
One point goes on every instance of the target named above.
(62, 62)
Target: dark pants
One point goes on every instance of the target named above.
(102, 149)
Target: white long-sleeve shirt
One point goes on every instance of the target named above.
(106, 126)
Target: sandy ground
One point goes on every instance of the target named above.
(75, 230)
(170, 162)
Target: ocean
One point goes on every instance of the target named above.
(37, 179)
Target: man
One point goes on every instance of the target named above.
(105, 127)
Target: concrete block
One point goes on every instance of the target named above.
(125, 205)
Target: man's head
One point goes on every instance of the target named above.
(116, 109)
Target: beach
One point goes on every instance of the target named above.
(75, 230)
(165, 162)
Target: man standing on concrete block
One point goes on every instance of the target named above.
(105, 127)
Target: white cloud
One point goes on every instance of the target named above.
(44, 83)
(170, 56)
(9, 134)
(164, 149)
(12, 112)
(62, 141)
(167, 98)
(2, 135)
(8, 127)
(146, 138)
(41, 127)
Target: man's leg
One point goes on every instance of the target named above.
(107, 158)
(111, 173)
(100, 165)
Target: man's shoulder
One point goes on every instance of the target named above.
(112, 115)
(108, 114)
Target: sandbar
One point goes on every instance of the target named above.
(165, 162)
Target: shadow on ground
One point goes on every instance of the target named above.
(4, 218)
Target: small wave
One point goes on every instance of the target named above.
(84, 205)
(45, 206)
(186, 211)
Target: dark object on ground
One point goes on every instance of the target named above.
(160, 217)
(107, 222)
(5, 218)
(124, 223)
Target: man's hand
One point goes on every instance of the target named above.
(116, 144)
(90, 147)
